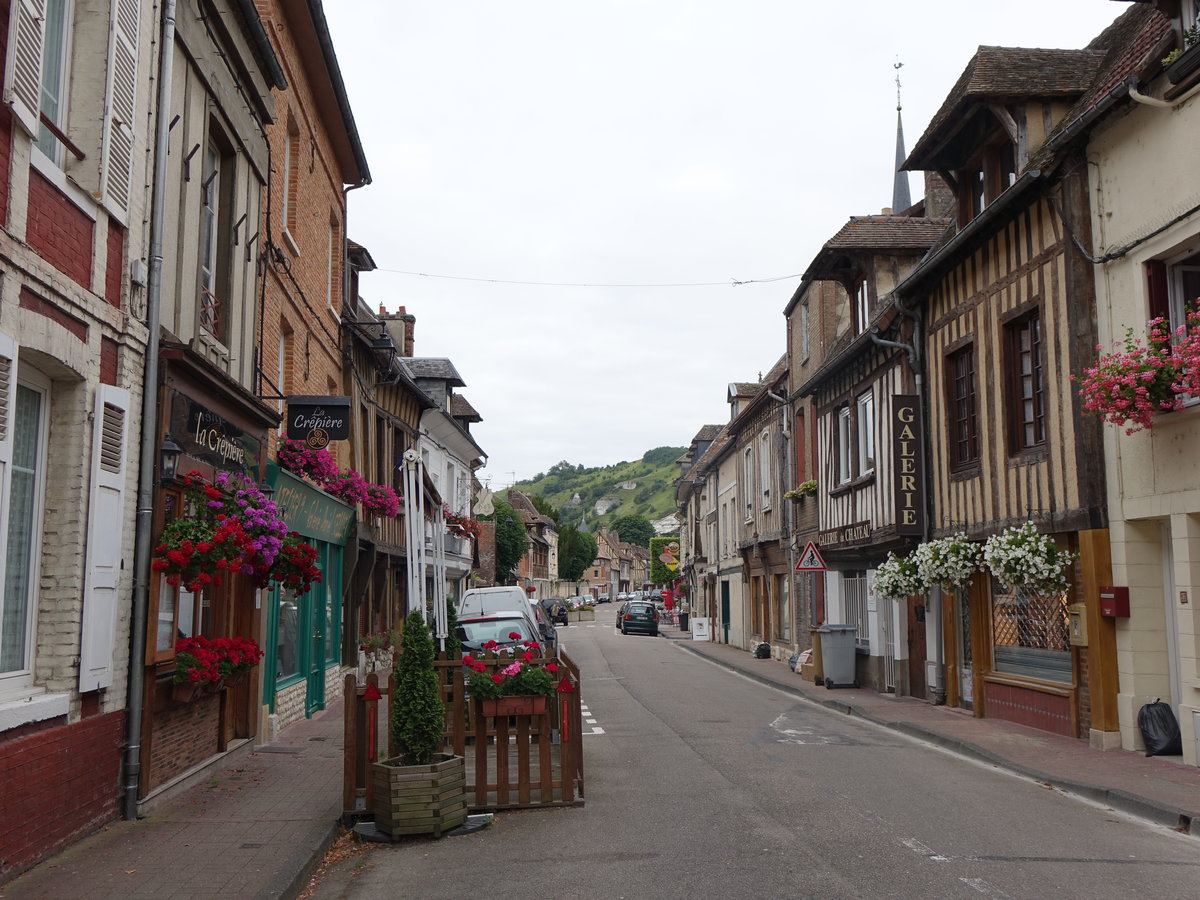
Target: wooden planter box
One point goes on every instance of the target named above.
(517, 705)
(428, 799)
(581, 615)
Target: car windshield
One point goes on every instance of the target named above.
(475, 633)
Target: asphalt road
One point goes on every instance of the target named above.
(704, 784)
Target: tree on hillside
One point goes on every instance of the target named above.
(662, 455)
(633, 529)
(576, 551)
(511, 540)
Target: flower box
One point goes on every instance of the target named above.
(516, 705)
(581, 615)
(187, 692)
(1184, 64)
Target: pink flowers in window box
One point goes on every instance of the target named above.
(1141, 378)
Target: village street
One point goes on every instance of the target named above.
(701, 782)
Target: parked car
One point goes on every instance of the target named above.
(478, 602)
(475, 631)
(639, 615)
(622, 597)
(603, 598)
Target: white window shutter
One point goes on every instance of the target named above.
(102, 565)
(120, 108)
(23, 68)
(8, 402)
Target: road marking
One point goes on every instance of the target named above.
(917, 847)
(983, 887)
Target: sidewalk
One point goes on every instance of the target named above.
(256, 827)
(1153, 788)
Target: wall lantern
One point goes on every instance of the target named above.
(168, 460)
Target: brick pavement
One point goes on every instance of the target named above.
(255, 827)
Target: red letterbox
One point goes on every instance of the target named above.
(1114, 601)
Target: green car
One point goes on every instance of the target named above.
(638, 615)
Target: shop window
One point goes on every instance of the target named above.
(1031, 634)
(287, 637)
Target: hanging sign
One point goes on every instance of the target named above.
(907, 464)
(318, 420)
(810, 560)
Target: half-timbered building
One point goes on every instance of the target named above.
(868, 415)
(1008, 306)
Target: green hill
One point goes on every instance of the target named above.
(644, 487)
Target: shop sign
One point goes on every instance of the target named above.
(847, 534)
(908, 464)
(316, 421)
(308, 511)
(207, 437)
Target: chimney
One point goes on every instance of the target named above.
(939, 199)
(400, 326)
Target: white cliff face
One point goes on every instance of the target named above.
(605, 504)
(666, 525)
(627, 486)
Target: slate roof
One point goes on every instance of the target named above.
(434, 367)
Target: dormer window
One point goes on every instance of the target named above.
(986, 177)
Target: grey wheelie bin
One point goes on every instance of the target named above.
(837, 655)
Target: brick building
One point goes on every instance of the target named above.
(72, 348)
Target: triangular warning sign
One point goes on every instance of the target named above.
(810, 560)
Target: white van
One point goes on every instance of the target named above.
(478, 602)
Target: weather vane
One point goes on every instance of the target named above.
(898, 66)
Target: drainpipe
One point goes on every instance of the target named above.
(149, 438)
(916, 363)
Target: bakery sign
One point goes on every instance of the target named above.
(315, 421)
(908, 464)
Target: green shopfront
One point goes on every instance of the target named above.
(304, 632)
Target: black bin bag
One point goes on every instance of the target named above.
(1159, 729)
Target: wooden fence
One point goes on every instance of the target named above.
(512, 762)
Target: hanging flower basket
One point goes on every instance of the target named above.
(1022, 558)
(950, 562)
(898, 578)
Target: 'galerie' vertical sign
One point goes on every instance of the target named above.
(908, 464)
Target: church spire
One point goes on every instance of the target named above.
(900, 196)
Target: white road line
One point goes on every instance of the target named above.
(983, 887)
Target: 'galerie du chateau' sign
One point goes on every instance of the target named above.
(318, 420)
(908, 464)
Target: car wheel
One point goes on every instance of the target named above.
(654, 633)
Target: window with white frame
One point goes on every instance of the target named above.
(866, 433)
(22, 488)
(844, 473)
(764, 468)
(56, 56)
(862, 307)
(748, 479)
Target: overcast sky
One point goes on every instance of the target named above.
(632, 146)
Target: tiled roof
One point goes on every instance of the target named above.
(884, 234)
(434, 367)
(995, 73)
(707, 433)
(745, 388)
(461, 409)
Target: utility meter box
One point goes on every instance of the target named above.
(1077, 613)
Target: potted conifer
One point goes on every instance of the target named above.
(421, 790)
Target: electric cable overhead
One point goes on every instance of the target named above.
(733, 282)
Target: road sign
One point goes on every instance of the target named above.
(810, 560)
